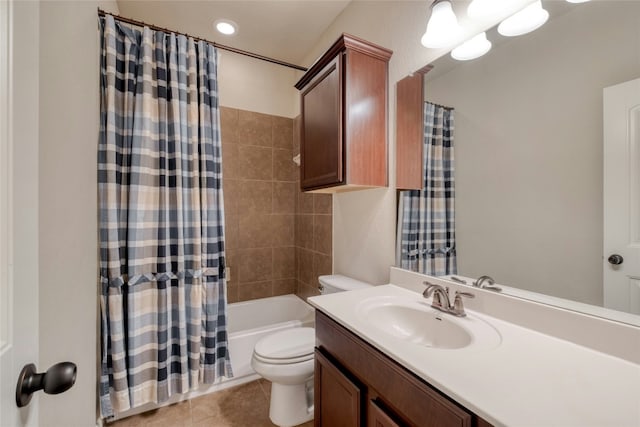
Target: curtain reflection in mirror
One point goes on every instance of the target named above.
(426, 218)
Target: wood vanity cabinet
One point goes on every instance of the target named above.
(358, 386)
(343, 141)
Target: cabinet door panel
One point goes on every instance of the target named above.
(321, 144)
(337, 399)
(378, 417)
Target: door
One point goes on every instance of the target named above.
(622, 197)
(18, 204)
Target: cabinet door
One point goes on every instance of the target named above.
(337, 400)
(321, 148)
(378, 417)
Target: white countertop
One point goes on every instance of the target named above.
(529, 379)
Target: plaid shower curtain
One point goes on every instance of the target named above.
(162, 261)
(426, 218)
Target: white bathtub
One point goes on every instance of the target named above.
(248, 322)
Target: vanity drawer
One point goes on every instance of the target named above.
(409, 400)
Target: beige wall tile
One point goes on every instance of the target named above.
(284, 169)
(305, 266)
(322, 233)
(321, 264)
(284, 197)
(230, 161)
(297, 129)
(255, 197)
(255, 290)
(256, 230)
(305, 202)
(284, 287)
(231, 230)
(232, 292)
(304, 231)
(304, 291)
(283, 230)
(254, 265)
(255, 163)
(282, 132)
(231, 190)
(284, 263)
(254, 129)
(229, 125)
(322, 204)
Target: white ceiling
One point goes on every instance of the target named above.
(284, 29)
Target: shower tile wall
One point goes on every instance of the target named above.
(313, 233)
(278, 239)
(259, 182)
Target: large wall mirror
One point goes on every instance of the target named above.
(531, 185)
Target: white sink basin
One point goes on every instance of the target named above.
(416, 322)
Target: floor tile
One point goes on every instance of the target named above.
(246, 405)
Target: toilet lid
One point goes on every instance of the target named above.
(291, 343)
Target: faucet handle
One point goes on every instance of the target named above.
(430, 288)
(458, 306)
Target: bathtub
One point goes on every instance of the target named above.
(248, 322)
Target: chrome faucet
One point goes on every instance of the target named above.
(441, 299)
(479, 283)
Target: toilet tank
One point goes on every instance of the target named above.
(337, 283)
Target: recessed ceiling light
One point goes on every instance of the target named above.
(226, 26)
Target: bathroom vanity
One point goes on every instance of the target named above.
(357, 385)
(384, 357)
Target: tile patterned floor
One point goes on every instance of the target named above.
(246, 405)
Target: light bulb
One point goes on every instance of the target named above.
(528, 19)
(442, 28)
(472, 49)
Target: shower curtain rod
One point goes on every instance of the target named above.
(217, 45)
(441, 106)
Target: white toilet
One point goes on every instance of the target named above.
(286, 359)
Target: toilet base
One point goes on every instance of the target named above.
(291, 404)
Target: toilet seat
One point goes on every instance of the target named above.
(286, 347)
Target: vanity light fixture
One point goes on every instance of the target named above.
(472, 48)
(226, 26)
(528, 19)
(443, 27)
(482, 9)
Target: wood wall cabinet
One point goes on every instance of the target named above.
(353, 373)
(343, 141)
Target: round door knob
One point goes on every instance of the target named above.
(58, 378)
(615, 259)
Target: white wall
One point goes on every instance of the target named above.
(528, 132)
(364, 221)
(255, 85)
